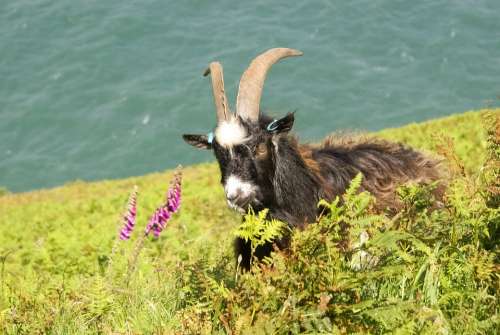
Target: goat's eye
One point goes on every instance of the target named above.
(261, 150)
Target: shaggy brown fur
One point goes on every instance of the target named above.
(385, 166)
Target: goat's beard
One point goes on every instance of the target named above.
(236, 208)
(254, 203)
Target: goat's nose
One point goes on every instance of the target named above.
(233, 196)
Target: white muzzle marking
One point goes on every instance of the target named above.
(237, 188)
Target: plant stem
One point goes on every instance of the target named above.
(132, 264)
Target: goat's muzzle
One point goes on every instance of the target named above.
(240, 194)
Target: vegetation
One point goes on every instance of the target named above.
(433, 268)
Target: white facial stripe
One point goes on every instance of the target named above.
(230, 133)
(235, 186)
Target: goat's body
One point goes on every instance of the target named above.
(304, 174)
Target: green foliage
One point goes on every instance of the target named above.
(3, 191)
(490, 177)
(425, 270)
(431, 268)
(258, 230)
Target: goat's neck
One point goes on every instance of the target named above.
(296, 186)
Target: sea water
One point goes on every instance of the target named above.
(93, 89)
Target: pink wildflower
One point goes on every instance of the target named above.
(129, 217)
(159, 219)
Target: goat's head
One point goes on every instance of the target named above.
(244, 142)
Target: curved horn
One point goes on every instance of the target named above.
(252, 81)
(220, 99)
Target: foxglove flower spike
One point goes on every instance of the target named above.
(129, 216)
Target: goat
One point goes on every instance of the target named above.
(263, 166)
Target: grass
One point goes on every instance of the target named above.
(58, 274)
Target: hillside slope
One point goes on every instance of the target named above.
(56, 245)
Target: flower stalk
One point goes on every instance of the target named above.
(158, 221)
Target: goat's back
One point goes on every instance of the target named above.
(385, 166)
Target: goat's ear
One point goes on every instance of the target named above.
(198, 141)
(282, 125)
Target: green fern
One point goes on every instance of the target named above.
(258, 230)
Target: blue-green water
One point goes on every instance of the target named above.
(104, 88)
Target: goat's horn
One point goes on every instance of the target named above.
(252, 81)
(220, 99)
